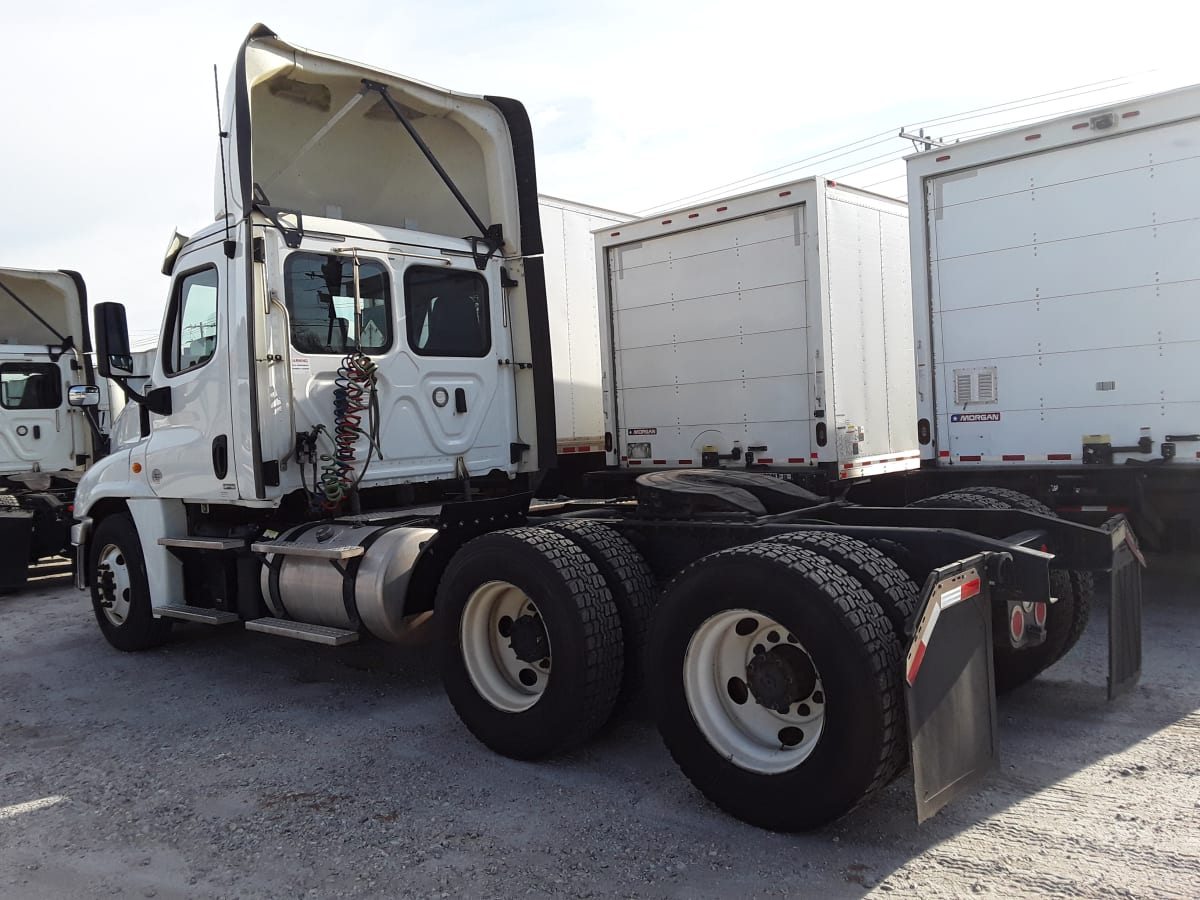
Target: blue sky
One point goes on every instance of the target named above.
(111, 129)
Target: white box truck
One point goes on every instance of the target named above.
(1056, 274)
(45, 442)
(770, 331)
(353, 397)
(570, 263)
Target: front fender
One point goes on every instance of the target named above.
(112, 478)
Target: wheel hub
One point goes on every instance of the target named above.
(108, 587)
(781, 677)
(505, 647)
(527, 638)
(739, 653)
(113, 584)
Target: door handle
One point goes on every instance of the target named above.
(460, 400)
(220, 455)
(37, 432)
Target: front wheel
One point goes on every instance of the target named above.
(775, 681)
(120, 589)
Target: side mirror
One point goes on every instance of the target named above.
(113, 357)
(83, 395)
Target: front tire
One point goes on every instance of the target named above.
(120, 589)
(775, 681)
(530, 641)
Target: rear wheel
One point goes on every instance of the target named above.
(1065, 619)
(530, 640)
(887, 583)
(789, 709)
(631, 584)
(965, 499)
(120, 589)
(1082, 583)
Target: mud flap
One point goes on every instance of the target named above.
(16, 532)
(950, 689)
(1125, 614)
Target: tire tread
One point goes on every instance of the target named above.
(631, 583)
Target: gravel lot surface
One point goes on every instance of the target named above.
(230, 764)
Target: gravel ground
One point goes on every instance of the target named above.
(230, 764)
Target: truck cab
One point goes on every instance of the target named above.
(363, 300)
(45, 442)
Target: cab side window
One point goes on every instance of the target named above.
(30, 386)
(191, 337)
(319, 291)
(447, 312)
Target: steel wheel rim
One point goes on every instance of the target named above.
(747, 733)
(115, 585)
(500, 633)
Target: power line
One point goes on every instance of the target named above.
(885, 181)
(985, 130)
(1039, 99)
(882, 138)
(875, 140)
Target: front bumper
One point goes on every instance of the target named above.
(80, 532)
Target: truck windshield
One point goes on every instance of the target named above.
(30, 386)
(319, 291)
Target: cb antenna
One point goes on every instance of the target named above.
(230, 246)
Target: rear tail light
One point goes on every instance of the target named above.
(1039, 615)
(1016, 623)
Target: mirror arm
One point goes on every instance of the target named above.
(101, 443)
(130, 394)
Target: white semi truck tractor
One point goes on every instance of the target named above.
(353, 402)
(45, 440)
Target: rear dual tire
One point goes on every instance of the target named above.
(752, 629)
(530, 638)
(1066, 619)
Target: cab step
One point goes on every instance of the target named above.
(203, 543)
(310, 549)
(302, 631)
(197, 614)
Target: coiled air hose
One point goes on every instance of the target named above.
(354, 399)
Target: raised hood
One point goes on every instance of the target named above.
(312, 136)
(43, 308)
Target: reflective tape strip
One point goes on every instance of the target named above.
(964, 591)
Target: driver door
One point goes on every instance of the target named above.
(189, 453)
